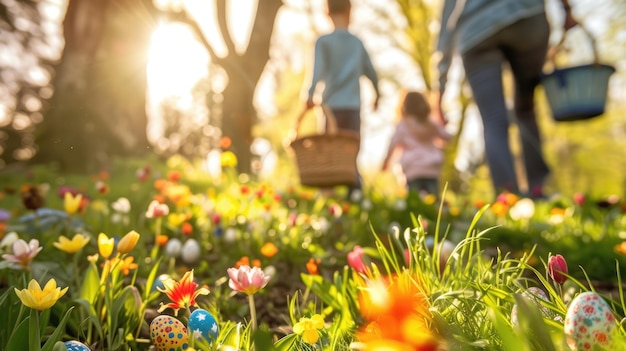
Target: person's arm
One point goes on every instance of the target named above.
(569, 21)
(319, 66)
(445, 49)
(370, 73)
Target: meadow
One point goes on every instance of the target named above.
(161, 256)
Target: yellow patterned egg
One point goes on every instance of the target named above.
(589, 322)
(168, 333)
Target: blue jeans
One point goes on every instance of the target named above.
(523, 45)
(350, 120)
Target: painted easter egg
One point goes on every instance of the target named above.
(168, 333)
(202, 324)
(533, 293)
(589, 322)
(74, 345)
(190, 251)
(173, 247)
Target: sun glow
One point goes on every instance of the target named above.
(176, 61)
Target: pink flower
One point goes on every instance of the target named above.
(355, 259)
(579, 198)
(557, 268)
(247, 280)
(157, 209)
(23, 253)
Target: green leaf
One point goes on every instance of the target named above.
(91, 284)
(19, 339)
(58, 332)
(59, 346)
(286, 343)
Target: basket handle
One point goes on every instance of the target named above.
(331, 121)
(550, 57)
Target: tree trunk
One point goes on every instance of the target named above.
(98, 110)
(244, 71)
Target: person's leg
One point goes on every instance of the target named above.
(350, 120)
(526, 58)
(483, 68)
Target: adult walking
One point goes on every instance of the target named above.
(488, 34)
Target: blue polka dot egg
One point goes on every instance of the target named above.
(75, 346)
(202, 324)
(168, 333)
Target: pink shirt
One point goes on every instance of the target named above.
(420, 156)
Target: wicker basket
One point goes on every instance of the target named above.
(579, 92)
(327, 159)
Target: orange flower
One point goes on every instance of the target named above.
(187, 228)
(396, 309)
(225, 142)
(162, 239)
(182, 293)
(245, 261)
(621, 248)
(269, 250)
(126, 264)
(499, 209)
(313, 266)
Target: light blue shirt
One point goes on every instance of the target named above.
(466, 23)
(340, 61)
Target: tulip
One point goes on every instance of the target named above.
(157, 209)
(246, 279)
(23, 253)
(38, 299)
(128, 242)
(105, 245)
(182, 293)
(72, 202)
(557, 268)
(250, 281)
(71, 246)
(355, 259)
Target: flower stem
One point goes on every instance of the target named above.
(34, 342)
(252, 312)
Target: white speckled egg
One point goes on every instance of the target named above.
(533, 293)
(190, 252)
(74, 345)
(589, 322)
(168, 333)
(202, 324)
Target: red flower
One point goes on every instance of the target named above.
(557, 268)
(183, 293)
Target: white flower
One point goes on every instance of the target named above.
(121, 205)
(523, 209)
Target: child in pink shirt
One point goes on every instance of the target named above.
(419, 141)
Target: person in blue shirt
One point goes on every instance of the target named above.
(489, 34)
(340, 61)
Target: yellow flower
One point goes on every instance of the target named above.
(308, 328)
(72, 203)
(228, 159)
(105, 245)
(71, 246)
(128, 242)
(38, 299)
